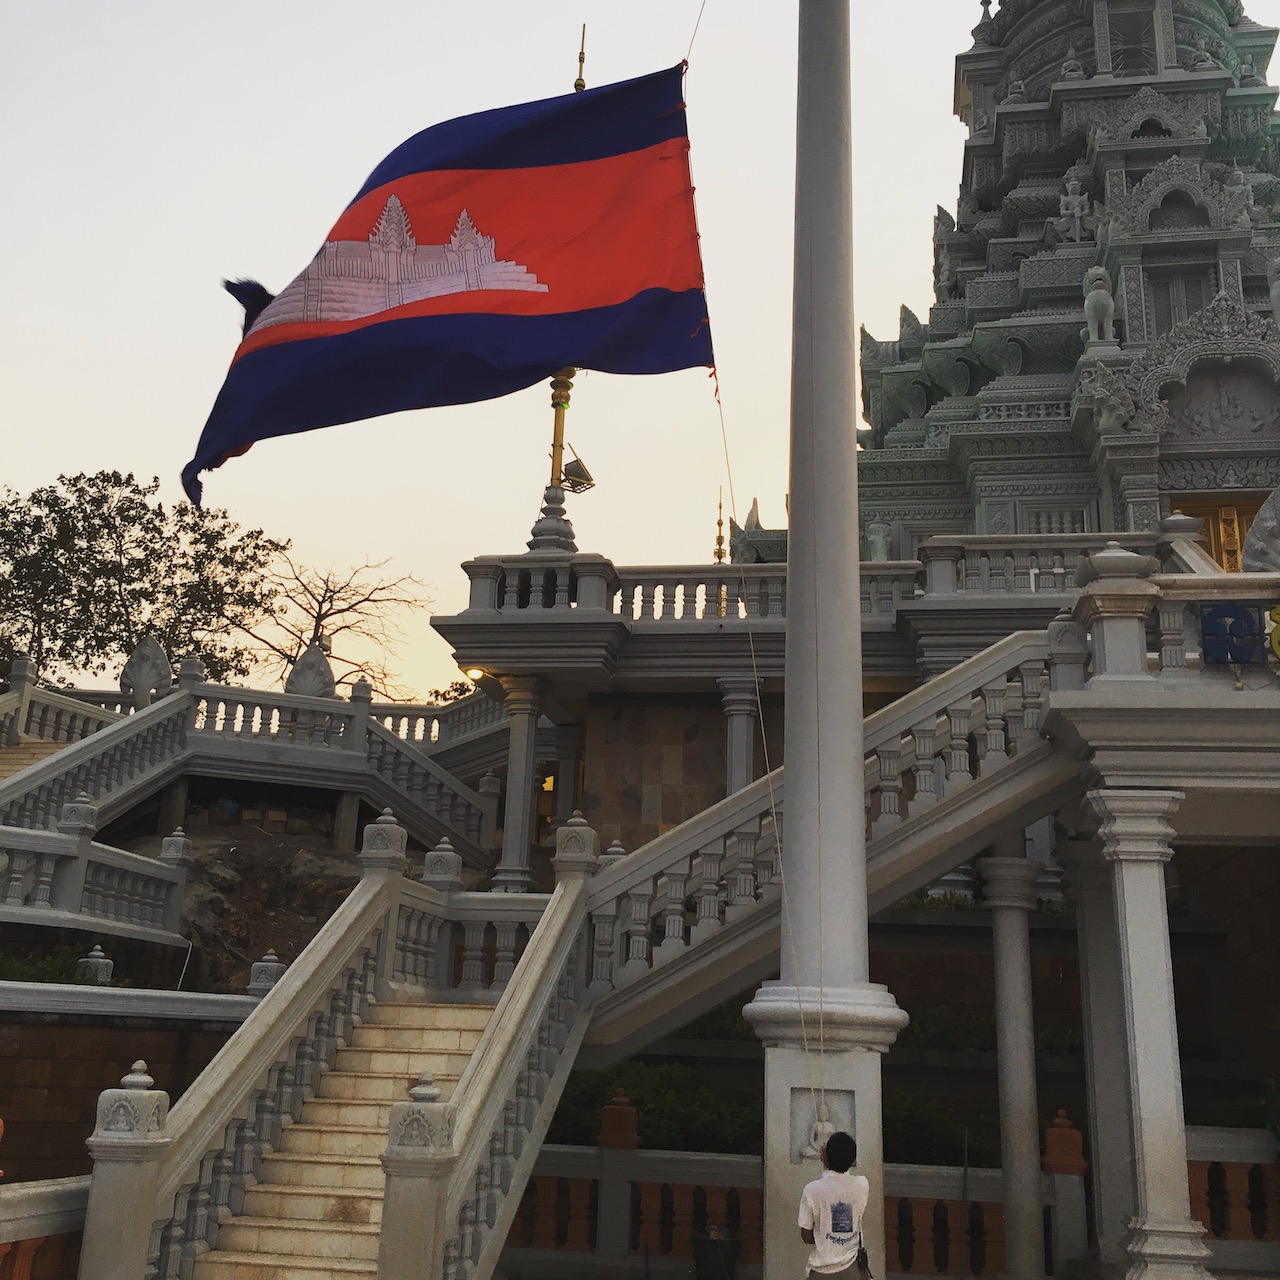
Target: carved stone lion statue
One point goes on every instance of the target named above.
(1099, 306)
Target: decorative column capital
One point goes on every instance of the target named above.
(1137, 824)
(420, 1134)
(79, 817)
(1009, 883)
(740, 695)
(524, 694)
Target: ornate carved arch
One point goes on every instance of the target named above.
(1131, 214)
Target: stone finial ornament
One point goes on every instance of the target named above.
(134, 1110)
(442, 868)
(96, 968)
(311, 676)
(382, 851)
(79, 817)
(148, 675)
(191, 671)
(265, 974)
(1099, 307)
(176, 850)
(552, 531)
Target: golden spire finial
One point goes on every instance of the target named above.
(720, 530)
(579, 84)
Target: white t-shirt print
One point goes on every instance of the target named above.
(832, 1208)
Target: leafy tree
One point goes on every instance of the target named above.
(91, 564)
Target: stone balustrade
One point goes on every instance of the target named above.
(223, 712)
(1235, 1186)
(920, 751)
(439, 724)
(50, 877)
(939, 1220)
(40, 1227)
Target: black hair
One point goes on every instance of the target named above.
(842, 1152)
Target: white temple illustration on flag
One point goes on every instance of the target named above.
(350, 279)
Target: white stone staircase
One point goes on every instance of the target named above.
(315, 1211)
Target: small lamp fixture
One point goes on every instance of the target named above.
(474, 673)
(577, 479)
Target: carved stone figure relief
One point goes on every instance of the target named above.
(1224, 403)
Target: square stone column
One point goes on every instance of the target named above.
(740, 696)
(1105, 1042)
(1163, 1242)
(1009, 893)
(512, 874)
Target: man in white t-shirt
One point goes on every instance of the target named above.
(831, 1209)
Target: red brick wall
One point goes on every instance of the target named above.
(52, 1070)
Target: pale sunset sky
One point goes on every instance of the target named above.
(153, 148)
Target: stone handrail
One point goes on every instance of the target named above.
(415, 775)
(11, 704)
(286, 1042)
(50, 715)
(438, 724)
(995, 697)
(512, 1033)
(1012, 564)
(34, 1210)
(225, 712)
(122, 752)
(62, 872)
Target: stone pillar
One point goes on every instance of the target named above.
(382, 857)
(1105, 1042)
(823, 1024)
(346, 822)
(568, 742)
(176, 851)
(740, 696)
(173, 806)
(357, 740)
(23, 678)
(512, 874)
(1009, 893)
(618, 1137)
(1113, 606)
(1163, 1242)
(127, 1144)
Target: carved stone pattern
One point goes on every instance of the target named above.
(1220, 404)
(131, 1111)
(1024, 412)
(417, 1128)
(148, 674)
(995, 289)
(385, 838)
(1028, 140)
(1192, 474)
(1130, 215)
(311, 676)
(1185, 115)
(1053, 269)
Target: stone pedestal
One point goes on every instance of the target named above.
(1105, 1043)
(512, 874)
(1009, 893)
(821, 1074)
(1163, 1242)
(127, 1144)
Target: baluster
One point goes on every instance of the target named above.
(764, 858)
(466, 1236)
(562, 587)
(958, 771)
(452, 1247)
(894, 1262)
(1173, 637)
(1269, 1193)
(708, 922)
(922, 736)
(751, 1223)
(650, 1218)
(922, 1254)
(681, 1220)
(578, 1238)
(993, 1238)
(742, 870)
(505, 963)
(604, 921)
(717, 1206)
(955, 1238)
(677, 880)
(647, 591)
(1239, 1217)
(639, 902)
(472, 955)
(890, 789)
(429, 960)
(19, 864)
(993, 699)
(1198, 1179)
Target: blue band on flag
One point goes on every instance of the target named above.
(608, 121)
(426, 361)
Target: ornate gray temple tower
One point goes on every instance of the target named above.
(1102, 349)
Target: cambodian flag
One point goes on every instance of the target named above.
(481, 256)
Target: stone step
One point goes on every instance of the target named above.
(301, 1240)
(323, 1172)
(473, 1017)
(401, 1062)
(364, 1113)
(334, 1140)
(314, 1204)
(223, 1265)
(393, 1086)
(431, 1039)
